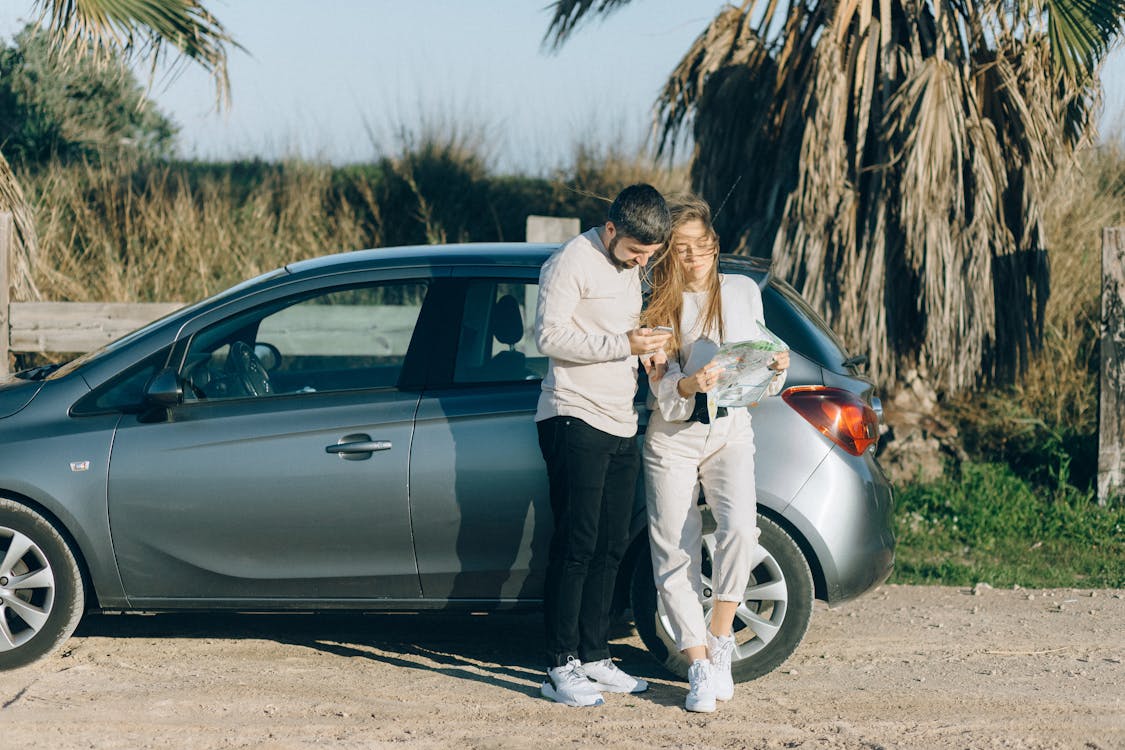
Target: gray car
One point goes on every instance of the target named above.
(355, 433)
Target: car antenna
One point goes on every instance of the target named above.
(719, 210)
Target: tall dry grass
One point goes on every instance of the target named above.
(1045, 426)
(130, 230)
(137, 231)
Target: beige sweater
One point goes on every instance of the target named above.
(586, 306)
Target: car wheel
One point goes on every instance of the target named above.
(41, 593)
(770, 622)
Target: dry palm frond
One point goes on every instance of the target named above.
(568, 13)
(727, 41)
(893, 157)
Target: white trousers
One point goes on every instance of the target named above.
(679, 458)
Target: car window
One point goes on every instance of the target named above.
(113, 346)
(497, 339)
(126, 391)
(799, 326)
(340, 339)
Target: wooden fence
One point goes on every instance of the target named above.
(44, 327)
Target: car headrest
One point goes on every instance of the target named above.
(507, 322)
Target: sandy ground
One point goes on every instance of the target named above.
(926, 667)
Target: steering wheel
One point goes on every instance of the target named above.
(248, 369)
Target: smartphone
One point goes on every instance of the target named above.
(665, 329)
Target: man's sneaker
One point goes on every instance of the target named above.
(701, 696)
(722, 649)
(606, 676)
(569, 685)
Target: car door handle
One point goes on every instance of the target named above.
(359, 446)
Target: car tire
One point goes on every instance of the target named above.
(41, 592)
(767, 631)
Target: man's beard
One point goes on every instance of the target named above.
(624, 265)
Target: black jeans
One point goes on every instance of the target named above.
(593, 479)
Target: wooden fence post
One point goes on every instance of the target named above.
(7, 237)
(551, 228)
(1111, 415)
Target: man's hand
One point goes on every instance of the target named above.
(647, 340)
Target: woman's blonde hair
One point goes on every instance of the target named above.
(666, 303)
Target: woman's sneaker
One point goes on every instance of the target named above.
(701, 696)
(606, 676)
(569, 685)
(722, 650)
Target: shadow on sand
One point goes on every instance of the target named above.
(499, 649)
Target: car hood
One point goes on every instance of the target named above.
(16, 394)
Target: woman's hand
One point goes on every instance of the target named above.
(780, 361)
(655, 364)
(700, 381)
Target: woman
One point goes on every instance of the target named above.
(690, 443)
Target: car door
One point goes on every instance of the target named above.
(479, 496)
(285, 480)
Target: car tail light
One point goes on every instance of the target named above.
(840, 415)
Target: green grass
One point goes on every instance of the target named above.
(990, 525)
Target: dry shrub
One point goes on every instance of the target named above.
(153, 231)
(1046, 425)
(128, 230)
(597, 173)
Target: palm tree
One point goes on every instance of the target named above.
(892, 156)
(103, 29)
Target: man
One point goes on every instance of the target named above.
(589, 305)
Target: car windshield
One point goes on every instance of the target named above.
(78, 362)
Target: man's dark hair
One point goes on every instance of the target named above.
(639, 211)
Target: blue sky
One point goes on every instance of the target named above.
(336, 79)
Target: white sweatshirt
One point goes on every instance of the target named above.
(587, 305)
(742, 311)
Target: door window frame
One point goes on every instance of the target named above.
(423, 358)
(442, 376)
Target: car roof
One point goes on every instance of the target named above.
(530, 254)
(474, 255)
(464, 254)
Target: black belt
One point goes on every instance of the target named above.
(699, 413)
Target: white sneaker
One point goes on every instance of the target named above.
(608, 677)
(721, 649)
(569, 685)
(701, 696)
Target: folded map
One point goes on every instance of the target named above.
(746, 375)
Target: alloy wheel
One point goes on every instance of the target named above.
(27, 589)
(760, 615)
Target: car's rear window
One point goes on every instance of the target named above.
(799, 326)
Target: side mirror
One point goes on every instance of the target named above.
(165, 389)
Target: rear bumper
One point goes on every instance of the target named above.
(845, 514)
